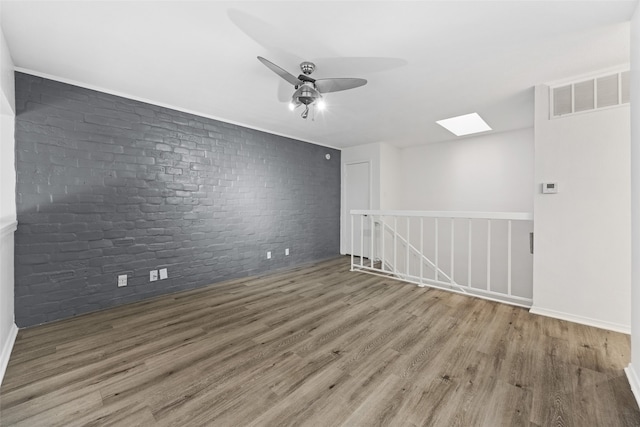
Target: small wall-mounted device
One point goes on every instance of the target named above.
(549, 187)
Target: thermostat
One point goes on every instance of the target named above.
(549, 187)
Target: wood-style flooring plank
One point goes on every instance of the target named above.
(317, 345)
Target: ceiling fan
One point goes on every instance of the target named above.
(308, 91)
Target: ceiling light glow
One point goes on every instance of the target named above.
(465, 125)
(292, 106)
(321, 105)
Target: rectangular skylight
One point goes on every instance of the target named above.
(465, 125)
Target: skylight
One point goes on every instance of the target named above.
(465, 125)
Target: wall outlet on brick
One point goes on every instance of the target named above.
(153, 275)
(286, 252)
(163, 273)
(268, 254)
(122, 280)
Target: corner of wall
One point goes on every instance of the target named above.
(8, 328)
(632, 374)
(5, 353)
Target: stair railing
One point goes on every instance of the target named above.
(371, 231)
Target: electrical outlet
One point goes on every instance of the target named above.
(286, 252)
(153, 275)
(268, 254)
(122, 280)
(163, 274)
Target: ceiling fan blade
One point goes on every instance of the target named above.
(280, 71)
(335, 85)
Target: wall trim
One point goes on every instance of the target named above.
(611, 326)
(8, 227)
(634, 382)
(162, 104)
(6, 350)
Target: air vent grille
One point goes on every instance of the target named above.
(592, 94)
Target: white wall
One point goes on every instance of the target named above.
(389, 177)
(487, 173)
(634, 367)
(8, 328)
(582, 234)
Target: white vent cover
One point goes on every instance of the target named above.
(599, 92)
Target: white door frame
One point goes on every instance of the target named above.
(344, 215)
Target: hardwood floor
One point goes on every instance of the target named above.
(317, 346)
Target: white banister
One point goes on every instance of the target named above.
(415, 251)
(519, 216)
(508, 282)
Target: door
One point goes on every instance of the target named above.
(357, 189)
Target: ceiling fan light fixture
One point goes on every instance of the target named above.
(309, 90)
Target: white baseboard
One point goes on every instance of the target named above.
(634, 382)
(6, 350)
(616, 327)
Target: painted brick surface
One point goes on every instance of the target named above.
(108, 186)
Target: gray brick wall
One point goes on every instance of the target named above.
(108, 186)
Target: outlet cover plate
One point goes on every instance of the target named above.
(122, 280)
(153, 275)
(163, 273)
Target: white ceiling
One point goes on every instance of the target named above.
(424, 61)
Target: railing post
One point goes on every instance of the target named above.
(488, 254)
(395, 244)
(509, 257)
(383, 231)
(371, 254)
(408, 219)
(362, 240)
(352, 241)
(469, 257)
(453, 254)
(436, 244)
(421, 250)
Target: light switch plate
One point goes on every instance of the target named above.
(163, 273)
(153, 275)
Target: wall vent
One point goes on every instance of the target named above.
(586, 95)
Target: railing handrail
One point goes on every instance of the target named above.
(516, 216)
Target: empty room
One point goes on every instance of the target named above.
(320, 213)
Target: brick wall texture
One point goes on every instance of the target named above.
(109, 186)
